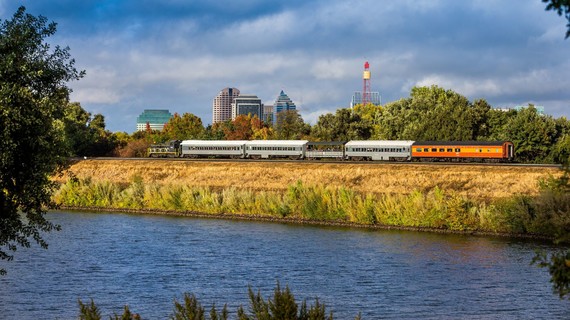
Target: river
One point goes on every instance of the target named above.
(147, 261)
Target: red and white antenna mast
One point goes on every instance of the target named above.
(366, 95)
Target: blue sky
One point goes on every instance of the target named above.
(178, 54)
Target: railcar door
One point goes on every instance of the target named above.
(511, 151)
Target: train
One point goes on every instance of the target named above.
(354, 150)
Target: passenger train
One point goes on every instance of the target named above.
(355, 150)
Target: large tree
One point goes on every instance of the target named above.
(533, 134)
(344, 125)
(290, 125)
(33, 94)
(185, 127)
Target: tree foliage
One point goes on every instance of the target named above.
(244, 127)
(185, 127)
(344, 125)
(33, 94)
(431, 113)
(290, 126)
(558, 262)
(533, 135)
(85, 135)
(562, 7)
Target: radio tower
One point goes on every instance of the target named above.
(366, 96)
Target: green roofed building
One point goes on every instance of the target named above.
(155, 119)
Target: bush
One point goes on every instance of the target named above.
(546, 214)
(281, 306)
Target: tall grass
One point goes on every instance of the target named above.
(546, 214)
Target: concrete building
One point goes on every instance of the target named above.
(154, 118)
(247, 104)
(282, 103)
(222, 105)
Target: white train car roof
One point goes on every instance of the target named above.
(383, 143)
(277, 142)
(213, 142)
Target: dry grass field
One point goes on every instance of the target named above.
(472, 181)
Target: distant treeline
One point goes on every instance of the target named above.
(430, 113)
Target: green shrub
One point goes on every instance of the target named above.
(546, 214)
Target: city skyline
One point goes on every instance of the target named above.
(177, 55)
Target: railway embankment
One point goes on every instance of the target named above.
(462, 198)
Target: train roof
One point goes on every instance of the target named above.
(326, 143)
(277, 142)
(373, 143)
(460, 143)
(213, 142)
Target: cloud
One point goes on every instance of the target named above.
(178, 54)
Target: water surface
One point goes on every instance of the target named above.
(148, 261)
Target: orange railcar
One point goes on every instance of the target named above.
(499, 151)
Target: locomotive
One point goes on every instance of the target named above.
(354, 150)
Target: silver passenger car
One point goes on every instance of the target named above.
(266, 149)
(234, 149)
(385, 150)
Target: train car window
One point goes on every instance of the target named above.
(457, 150)
(480, 150)
(433, 149)
(426, 150)
(488, 150)
(449, 150)
(418, 149)
(441, 150)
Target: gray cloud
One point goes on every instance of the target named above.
(178, 54)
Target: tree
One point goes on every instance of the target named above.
(185, 127)
(33, 94)
(371, 114)
(243, 127)
(533, 135)
(75, 124)
(86, 135)
(433, 113)
(561, 7)
(290, 125)
(344, 125)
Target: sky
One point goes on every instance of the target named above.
(179, 54)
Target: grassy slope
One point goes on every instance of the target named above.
(475, 182)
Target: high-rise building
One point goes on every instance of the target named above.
(282, 103)
(247, 104)
(153, 118)
(222, 105)
(268, 113)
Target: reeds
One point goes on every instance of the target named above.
(545, 214)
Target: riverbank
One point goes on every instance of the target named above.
(308, 222)
(461, 199)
